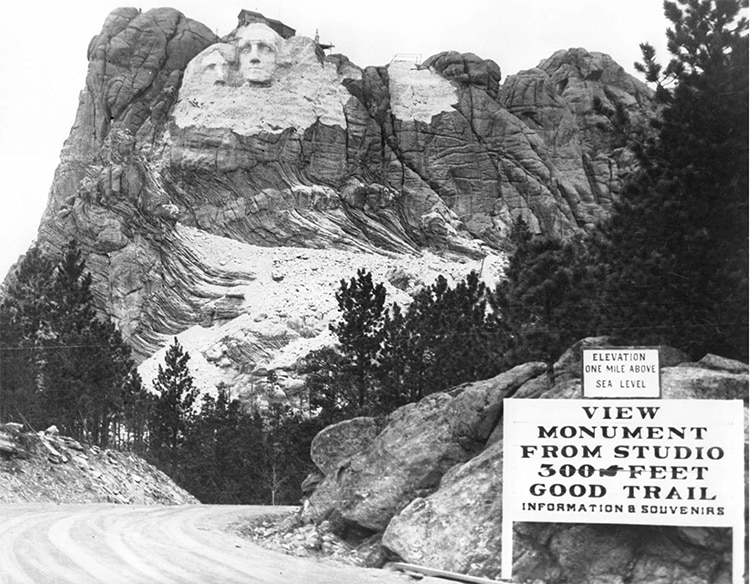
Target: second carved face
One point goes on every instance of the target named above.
(257, 48)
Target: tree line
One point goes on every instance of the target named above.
(216, 449)
(670, 264)
(61, 364)
(387, 356)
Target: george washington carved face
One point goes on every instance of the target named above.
(258, 48)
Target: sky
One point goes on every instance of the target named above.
(43, 60)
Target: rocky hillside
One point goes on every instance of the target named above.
(193, 173)
(428, 485)
(45, 467)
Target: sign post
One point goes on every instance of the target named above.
(626, 461)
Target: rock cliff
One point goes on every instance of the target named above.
(206, 177)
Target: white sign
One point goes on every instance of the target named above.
(621, 372)
(667, 462)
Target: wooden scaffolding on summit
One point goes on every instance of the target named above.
(246, 17)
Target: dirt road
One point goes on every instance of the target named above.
(122, 544)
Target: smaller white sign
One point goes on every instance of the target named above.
(621, 372)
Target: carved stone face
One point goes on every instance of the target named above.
(258, 46)
(215, 63)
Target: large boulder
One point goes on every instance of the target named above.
(338, 442)
(459, 526)
(618, 554)
(419, 444)
(693, 381)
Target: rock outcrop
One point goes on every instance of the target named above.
(419, 444)
(453, 521)
(341, 441)
(184, 145)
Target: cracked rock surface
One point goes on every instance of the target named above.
(418, 169)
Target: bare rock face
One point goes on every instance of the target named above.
(335, 444)
(105, 194)
(466, 539)
(271, 135)
(458, 527)
(467, 69)
(577, 110)
(191, 153)
(419, 444)
(249, 313)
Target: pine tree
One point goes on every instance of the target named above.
(676, 245)
(23, 327)
(287, 438)
(446, 336)
(71, 301)
(137, 406)
(468, 337)
(173, 407)
(547, 300)
(86, 360)
(400, 363)
(213, 453)
(62, 364)
(329, 383)
(362, 306)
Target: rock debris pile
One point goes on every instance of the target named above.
(291, 535)
(44, 466)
